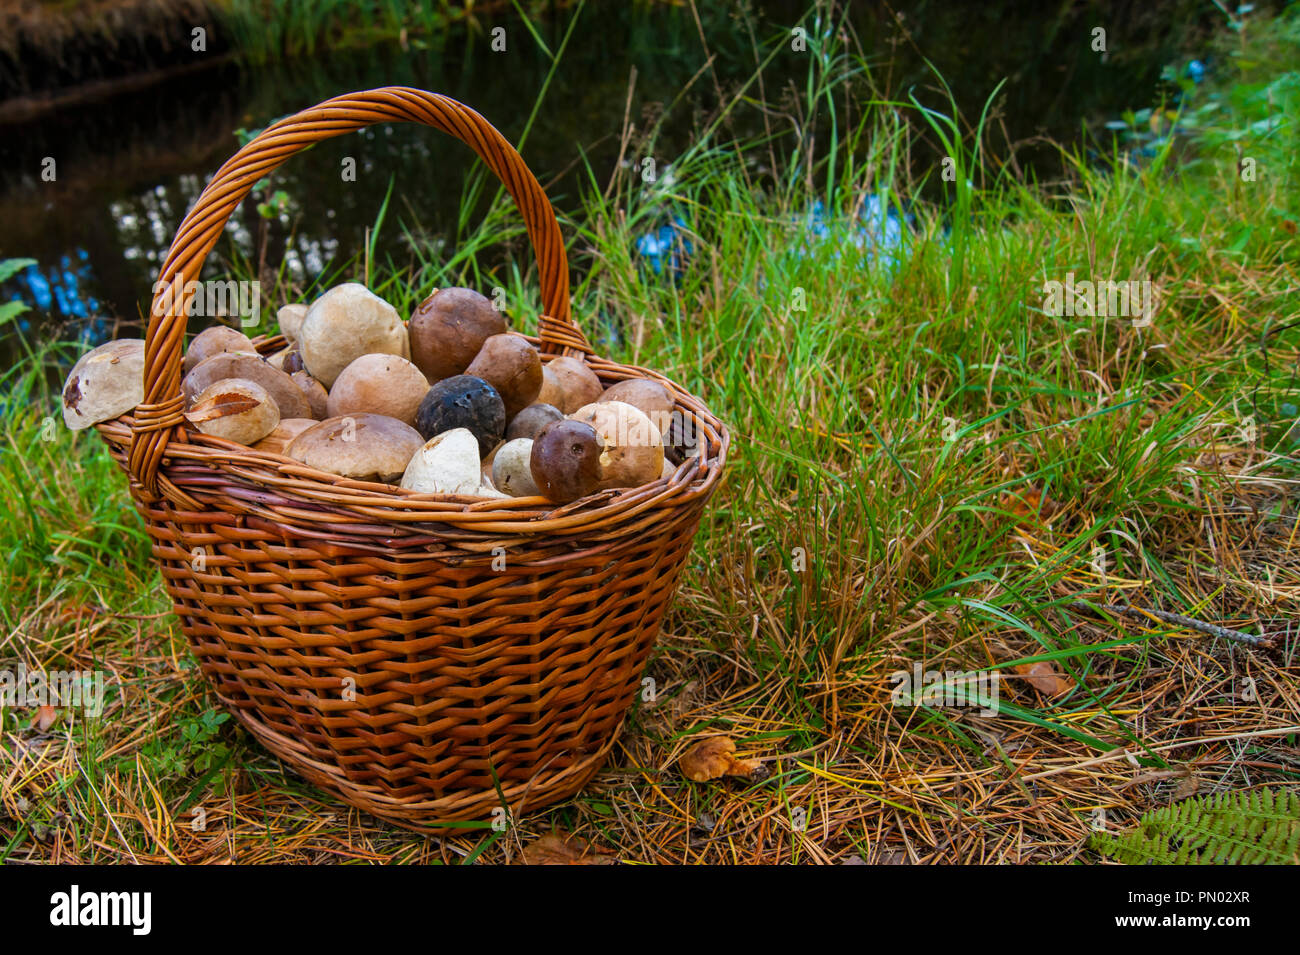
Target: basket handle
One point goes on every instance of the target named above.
(161, 411)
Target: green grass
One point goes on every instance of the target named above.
(946, 460)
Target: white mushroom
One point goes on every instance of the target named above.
(345, 323)
(511, 472)
(104, 383)
(290, 318)
(447, 464)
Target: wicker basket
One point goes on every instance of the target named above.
(427, 659)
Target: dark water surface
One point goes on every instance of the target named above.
(129, 166)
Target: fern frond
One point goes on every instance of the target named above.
(1256, 827)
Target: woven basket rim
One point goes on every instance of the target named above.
(697, 475)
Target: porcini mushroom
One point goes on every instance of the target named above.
(529, 422)
(285, 431)
(448, 329)
(381, 384)
(236, 409)
(578, 384)
(288, 396)
(565, 460)
(634, 449)
(463, 401)
(447, 463)
(364, 447)
(345, 323)
(512, 469)
(512, 366)
(648, 396)
(315, 394)
(214, 341)
(290, 318)
(105, 382)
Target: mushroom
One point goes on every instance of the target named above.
(364, 447)
(511, 469)
(634, 449)
(529, 422)
(345, 323)
(448, 329)
(446, 464)
(285, 431)
(578, 384)
(512, 366)
(105, 382)
(648, 396)
(550, 393)
(565, 460)
(315, 394)
(488, 460)
(382, 384)
(236, 409)
(292, 402)
(463, 401)
(214, 341)
(290, 318)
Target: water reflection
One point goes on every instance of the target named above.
(129, 168)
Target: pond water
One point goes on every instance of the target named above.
(129, 166)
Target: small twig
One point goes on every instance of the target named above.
(1179, 620)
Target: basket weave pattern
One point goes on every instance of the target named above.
(412, 654)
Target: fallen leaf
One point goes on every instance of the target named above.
(713, 758)
(1045, 678)
(220, 406)
(45, 717)
(1186, 789)
(1029, 507)
(563, 848)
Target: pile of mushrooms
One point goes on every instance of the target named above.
(451, 402)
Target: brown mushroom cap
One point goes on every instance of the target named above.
(285, 431)
(449, 328)
(380, 384)
(513, 367)
(550, 393)
(315, 394)
(345, 323)
(235, 409)
(565, 460)
(634, 449)
(288, 396)
(214, 341)
(364, 447)
(578, 384)
(649, 396)
(105, 382)
(530, 422)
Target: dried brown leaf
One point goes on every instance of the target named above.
(1045, 678)
(221, 406)
(45, 717)
(563, 848)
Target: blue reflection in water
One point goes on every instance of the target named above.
(59, 293)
